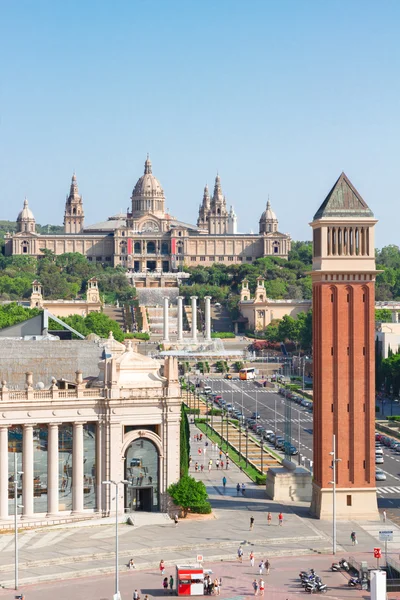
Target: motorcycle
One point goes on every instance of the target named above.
(354, 582)
(317, 587)
(344, 564)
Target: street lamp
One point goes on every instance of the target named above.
(333, 483)
(116, 483)
(16, 506)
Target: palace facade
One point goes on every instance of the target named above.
(148, 239)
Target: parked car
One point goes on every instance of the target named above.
(267, 434)
(379, 459)
(228, 376)
(293, 450)
(380, 475)
(255, 415)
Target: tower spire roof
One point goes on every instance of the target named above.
(343, 201)
(147, 166)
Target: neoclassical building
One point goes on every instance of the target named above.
(122, 424)
(148, 239)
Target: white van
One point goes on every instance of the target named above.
(379, 459)
(207, 390)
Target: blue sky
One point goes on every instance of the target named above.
(278, 96)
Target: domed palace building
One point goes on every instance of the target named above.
(148, 239)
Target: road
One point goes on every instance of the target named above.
(250, 397)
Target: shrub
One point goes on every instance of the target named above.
(137, 336)
(238, 365)
(223, 334)
(261, 479)
(201, 509)
(188, 493)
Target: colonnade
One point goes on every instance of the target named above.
(207, 318)
(53, 483)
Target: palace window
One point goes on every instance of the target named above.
(221, 259)
(193, 258)
(137, 249)
(230, 258)
(202, 258)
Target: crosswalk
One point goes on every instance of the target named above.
(388, 490)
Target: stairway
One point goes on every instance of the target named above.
(220, 318)
(116, 314)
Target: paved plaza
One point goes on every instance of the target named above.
(68, 552)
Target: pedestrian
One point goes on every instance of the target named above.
(171, 584)
(220, 453)
(280, 518)
(204, 451)
(136, 595)
(209, 464)
(222, 464)
(146, 597)
(269, 518)
(216, 587)
(238, 489)
(243, 489)
(261, 567)
(190, 461)
(202, 467)
(224, 482)
(251, 556)
(131, 564)
(162, 567)
(210, 585)
(261, 585)
(199, 451)
(227, 463)
(217, 463)
(353, 538)
(201, 437)
(384, 516)
(255, 587)
(212, 447)
(176, 520)
(267, 565)
(165, 585)
(240, 554)
(251, 523)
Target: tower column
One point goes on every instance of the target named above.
(180, 318)
(166, 319)
(77, 468)
(194, 318)
(207, 317)
(27, 468)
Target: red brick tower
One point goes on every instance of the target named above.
(343, 349)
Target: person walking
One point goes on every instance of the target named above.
(269, 518)
(353, 538)
(267, 565)
(209, 464)
(222, 464)
(165, 585)
(261, 585)
(384, 516)
(255, 587)
(224, 481)
(261, 567)
(280, 519)
(238, 489)
(176, 520)
(240, 554)
(251, 523)
(227, 463)
(171, 584)
(251, 556)
(162, 567)
(243, 489)
(217, 463)
(216, 587)
(136, 595)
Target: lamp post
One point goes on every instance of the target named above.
(333, 483)
(116, 483)
(299, 461)
(275, 421)
(16, 506)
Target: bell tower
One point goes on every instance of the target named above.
(343, 278)
(73, 216)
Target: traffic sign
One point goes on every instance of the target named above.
(377, 553)
(200, 558)
(386, 536)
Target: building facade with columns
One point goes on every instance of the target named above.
(65, 308)
(68, 438)
(147, 239)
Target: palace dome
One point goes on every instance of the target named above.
(268, 214)
(148, 185)
(26, 214)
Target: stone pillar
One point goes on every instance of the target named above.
(52, 469)
(77, 468)
(207, 317)
(166, 320)
(180, 318)
(3, 472)
(27, 468)
(194, 318)
(99, 476)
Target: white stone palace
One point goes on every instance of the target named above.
(147, 239)
(122, 423)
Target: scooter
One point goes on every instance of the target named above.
(317, 587)
(354, 582)
(344, 564)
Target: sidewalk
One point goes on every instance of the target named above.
(71, 552)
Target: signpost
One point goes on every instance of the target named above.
(200, 558)
(377, 555)
(386, 536)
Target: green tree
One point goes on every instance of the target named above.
(188, 493)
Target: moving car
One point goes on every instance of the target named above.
(380, 475)
(228, 376)
(255, 415)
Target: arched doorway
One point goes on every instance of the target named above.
(142, 472)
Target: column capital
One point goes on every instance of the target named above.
(77, 423)
(180, 297)
(193, 297)
(54, 424)
(207, 297)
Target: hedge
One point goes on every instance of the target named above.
(137, 336)
(201, 509)
(184, 442)
(223, 334)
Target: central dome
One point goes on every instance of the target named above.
(148, 195)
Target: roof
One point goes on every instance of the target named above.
(110, 225)
(343, 201)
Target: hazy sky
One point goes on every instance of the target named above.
(278, 96)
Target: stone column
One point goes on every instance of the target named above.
(52, 469)
(180, 318)
(77, 468)
(99, 477)
(27, 468)
(194, 318)
(207, 317)
(166, 320)
(3, 472)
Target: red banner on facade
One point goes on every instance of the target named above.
(173, 246)
(129, 246)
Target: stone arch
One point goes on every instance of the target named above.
(138, 434)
